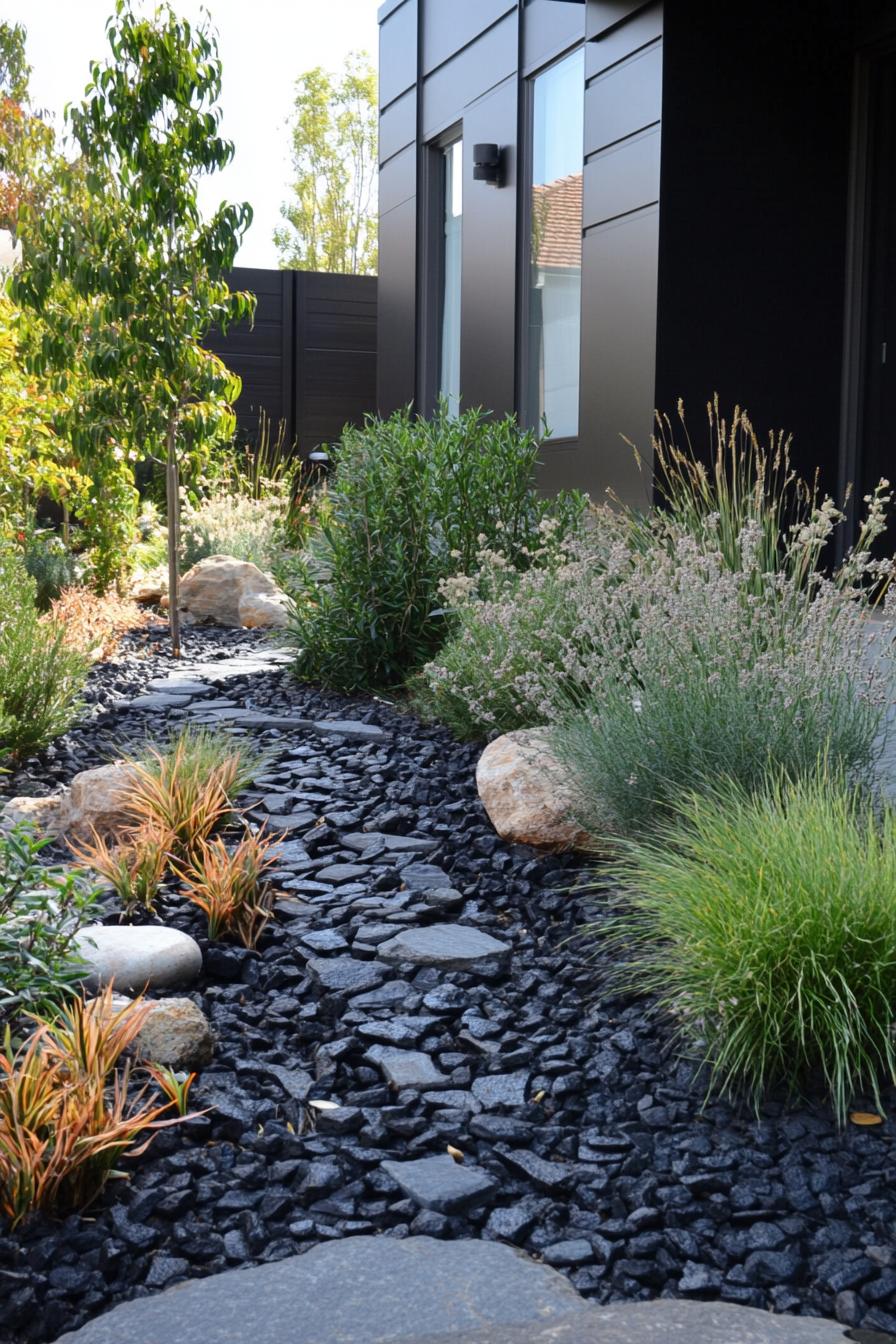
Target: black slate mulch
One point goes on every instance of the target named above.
(610, 1167)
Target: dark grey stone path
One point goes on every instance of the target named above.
(379, 1290)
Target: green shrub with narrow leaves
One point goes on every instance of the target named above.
(41, 678)
(411, 502)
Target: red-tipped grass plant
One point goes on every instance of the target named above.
(134, 867)
(67, 1112)
(229, 885)
(187, 787)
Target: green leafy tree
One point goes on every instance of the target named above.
(124, 271)
(25, 138)
(331, 214)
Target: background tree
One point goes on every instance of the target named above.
(25, 138)
(331, 214)
(123, 270)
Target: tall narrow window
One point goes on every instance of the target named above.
(555, 259)
(452, 184)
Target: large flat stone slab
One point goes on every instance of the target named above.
(451, 947)
(360, 1290)
(660, 1322)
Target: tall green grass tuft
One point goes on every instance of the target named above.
(765, 925)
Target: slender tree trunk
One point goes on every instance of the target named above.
(172, 494)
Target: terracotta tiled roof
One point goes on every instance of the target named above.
(557, 222)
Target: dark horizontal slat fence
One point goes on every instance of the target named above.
(309, 358)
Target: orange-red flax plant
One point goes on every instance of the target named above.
(230, 886)
(134, 866)
(67, 1113)
(185, 793)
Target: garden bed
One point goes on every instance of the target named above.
(598, 1151)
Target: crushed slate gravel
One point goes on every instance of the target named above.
(585, 1138)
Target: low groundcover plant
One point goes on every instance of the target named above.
(41, 908)
(765, 925)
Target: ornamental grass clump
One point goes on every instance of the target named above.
(765, 925)
(134, 865)
(67, 1110)
(229, 884)
(186, 787)
(411, 502)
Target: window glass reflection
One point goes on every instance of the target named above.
(555, 265)
(449, 373)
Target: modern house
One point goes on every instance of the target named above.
(590, 208)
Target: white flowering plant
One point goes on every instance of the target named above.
(235, 524)
(694, 671)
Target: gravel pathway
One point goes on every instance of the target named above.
(420, 976)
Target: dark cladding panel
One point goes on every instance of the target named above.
(614, 44)
(625, 99)
(396, 307)
(398, 125)
(604, 15)
(753, 244)
(550, 27)
(450, 26)
(623, 178)
(398, 52)
(468, 75)
(398, 179)
(619, 286)
(488, 293)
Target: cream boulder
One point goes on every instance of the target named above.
(231, 592)
(527, 794)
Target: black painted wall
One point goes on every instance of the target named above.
(756, 130)
(309, 359)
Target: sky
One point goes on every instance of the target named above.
(264, 44)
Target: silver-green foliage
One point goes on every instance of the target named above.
(765, 925)
(41, 908)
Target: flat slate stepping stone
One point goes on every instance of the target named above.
(178, 686)
(424, 877)
(396, 1030)
(349, 728)
(406, 1068)
(346, 975)
(324, 940)
(357, 1290)
(398, 844)
(138, 956)
(501, 1089)
(158, 701)
(441, 1184)
(451, 947)
(291, 821)
(343, 872)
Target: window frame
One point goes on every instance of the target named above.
(431, 286)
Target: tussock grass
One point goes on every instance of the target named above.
(765, 924)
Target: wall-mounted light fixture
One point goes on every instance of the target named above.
(487, 164)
